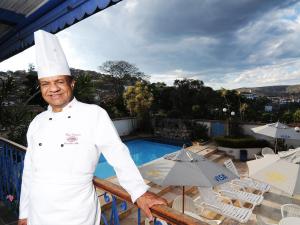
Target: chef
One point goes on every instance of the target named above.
(64, 145)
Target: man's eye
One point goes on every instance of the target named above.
(44, 85)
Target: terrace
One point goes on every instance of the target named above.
(113, 197)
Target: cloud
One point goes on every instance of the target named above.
(286, 72)
(19, 62)
(224, 43)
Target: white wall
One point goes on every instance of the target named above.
(247, 130)
(235, 152)
(125, 126)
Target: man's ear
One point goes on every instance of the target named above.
(73, 84)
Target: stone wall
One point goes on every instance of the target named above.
(176, 129)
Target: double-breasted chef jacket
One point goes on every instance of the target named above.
(63, 152)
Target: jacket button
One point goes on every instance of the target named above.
(50, 118)
(62, 145)
(40, 144)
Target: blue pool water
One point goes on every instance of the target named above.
(141, 151)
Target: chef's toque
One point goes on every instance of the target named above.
(50, 58)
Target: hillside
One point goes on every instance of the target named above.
(280, 90)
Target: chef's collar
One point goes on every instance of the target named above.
(67, 108)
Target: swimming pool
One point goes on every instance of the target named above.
(142, 151)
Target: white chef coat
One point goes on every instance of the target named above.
(62, 154)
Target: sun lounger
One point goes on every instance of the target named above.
(258, 156)
(200, 218)
(246, 182)
(189, 204)
(290, 210)
(261, 221)
(191, 209)
(233, 191)
(212, 201)
(267, 151)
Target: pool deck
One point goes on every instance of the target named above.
(269, 209)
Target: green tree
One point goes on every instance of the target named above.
(186, 95)
(138, 100)
(84, 89)
(287, 117)
(7, 88)
(296, 115)
(122, 73)
(32, 91)
(243, 108)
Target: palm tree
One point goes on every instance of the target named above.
(243, 108)
(224, 93)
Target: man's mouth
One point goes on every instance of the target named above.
(55, 96)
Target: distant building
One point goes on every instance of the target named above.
(249, 95)
(284, 100)
(268, 108)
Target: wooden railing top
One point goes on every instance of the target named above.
(161, 211)
(18, 146)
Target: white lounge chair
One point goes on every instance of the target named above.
(212, 201)
(289, 210)
(296, 157)
(200, 218)
(233, 191)
(189, 204)
(267, 151)
(191, 209)
(257, 156)
(246, 182)
(261, 221)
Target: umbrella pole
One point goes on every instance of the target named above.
(183, 199)
(275, 145)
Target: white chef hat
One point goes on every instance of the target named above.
(50, 58)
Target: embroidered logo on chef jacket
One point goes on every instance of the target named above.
(71, 138)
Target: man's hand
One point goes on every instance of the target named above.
(22, 222)
(147, 200)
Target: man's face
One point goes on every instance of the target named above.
(57, 91)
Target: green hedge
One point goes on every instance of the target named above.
(242, 142)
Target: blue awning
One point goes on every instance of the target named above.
(16, 28)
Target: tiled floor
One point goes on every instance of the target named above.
(6, 216)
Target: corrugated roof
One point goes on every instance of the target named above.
(19, 19)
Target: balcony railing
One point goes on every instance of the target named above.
(11, 167)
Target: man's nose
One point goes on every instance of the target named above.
(53, 88)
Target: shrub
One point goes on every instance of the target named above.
(199, 132)
(242, 142)
(174, 114)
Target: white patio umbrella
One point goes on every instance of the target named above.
(277, 130)
(186, 169)
(277, 172)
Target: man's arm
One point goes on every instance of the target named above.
(147, 200)
(117, 155)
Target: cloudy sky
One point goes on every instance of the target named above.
(230, 44)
